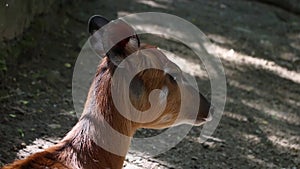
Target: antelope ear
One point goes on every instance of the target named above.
(117, 40)
(96, 22)
(122, 47)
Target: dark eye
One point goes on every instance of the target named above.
(174, 77)
(173, 72)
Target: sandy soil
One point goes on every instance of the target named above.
(258, 44)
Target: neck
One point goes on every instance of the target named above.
(101, 138)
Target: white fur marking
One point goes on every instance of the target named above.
(163, 94)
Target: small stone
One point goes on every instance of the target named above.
(54, 126)
(223, 6)
(23, 144)
(250, 156)
(204, 145)
(194, 158)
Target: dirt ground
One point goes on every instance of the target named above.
(258, 44)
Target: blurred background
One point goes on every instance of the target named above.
(257, 41)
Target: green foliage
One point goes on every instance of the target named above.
(21, 132)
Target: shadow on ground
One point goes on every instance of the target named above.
(260, 126)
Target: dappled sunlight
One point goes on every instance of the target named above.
(211, 142)
(210, 139)
(219, 39)
(259, 161)
(282, 142)
(251, 138)
(280, 136)
(260, 128)
(258, 143)
(295, 45)
(294, 36)
(246, 87)
(152, 4)
(186, 65)
(258, 63)
(37, 145)
(258, 44)
(235, 116)
(123, 13)
(137, 160)
(289, 57)
(239, 85)
(282, 115)
(293, 102)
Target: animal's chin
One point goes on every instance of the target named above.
(202, 121)
(199, 123)
(191, 122)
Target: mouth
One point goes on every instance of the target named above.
(203, 120)
(200, 123)
(209, 118)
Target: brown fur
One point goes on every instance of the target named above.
(77, 149)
